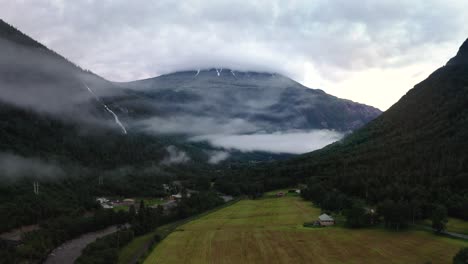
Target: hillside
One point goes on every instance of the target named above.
(415, 153)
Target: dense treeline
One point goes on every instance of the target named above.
(105, 250)
(72, 162)
(255, 179)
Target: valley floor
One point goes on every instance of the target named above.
(270, 230)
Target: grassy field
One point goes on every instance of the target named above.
(270, 230)
(148, 202)
(139, 245)
(127, 254)
(454, 225)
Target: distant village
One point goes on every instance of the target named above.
(167, 203)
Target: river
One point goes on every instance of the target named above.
(69, 251)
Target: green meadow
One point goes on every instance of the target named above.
(270, 230)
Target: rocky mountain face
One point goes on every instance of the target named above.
(246, 102)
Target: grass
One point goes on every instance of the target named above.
(148, 202)
(454, 225)
(127, 254)
(121, 208)
(270, 230)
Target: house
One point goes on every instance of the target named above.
(107, 206)
(175, 197)
(226, 198)
(326, 220)
(102, 200)
(279, 194)
(105, 203)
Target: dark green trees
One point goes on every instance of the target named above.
(439, 218)
(396, 215)
(358, 215)
(461, 257)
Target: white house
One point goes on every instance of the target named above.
(326, 220)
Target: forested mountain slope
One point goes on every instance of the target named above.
(416, 152)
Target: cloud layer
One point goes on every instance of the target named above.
(319, 42)
(175, 156)
(14, 166)
(294, 142)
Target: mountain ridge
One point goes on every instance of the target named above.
(416, 151)
(272, 100)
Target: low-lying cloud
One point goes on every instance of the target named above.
(14, 166)
(218, 156)
(293, 142)
(192, 125)
(175, 156)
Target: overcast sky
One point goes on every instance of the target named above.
(371, 52)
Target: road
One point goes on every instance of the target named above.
(447, 233)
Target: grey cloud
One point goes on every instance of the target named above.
(217, 156)
(14, 166)
(127, 40)
(33, 78)
(175, 156)
(192, 125)
(293, 142)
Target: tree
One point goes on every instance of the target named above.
(461, 257)
(439, 218)
(132, 213)
(396, 214)
(356, 215)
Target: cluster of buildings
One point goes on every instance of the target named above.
(109, 204)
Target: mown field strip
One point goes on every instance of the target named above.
(270, 231)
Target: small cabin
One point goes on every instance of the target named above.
(279, 194)
(326, 220)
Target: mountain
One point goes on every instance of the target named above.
(415, 153)
(227, 101)
(64, 128)
(176, 106)
(34, 77)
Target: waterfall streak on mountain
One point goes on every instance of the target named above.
(116, 118)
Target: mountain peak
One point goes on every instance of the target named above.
(226, 72)
(462, 56)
